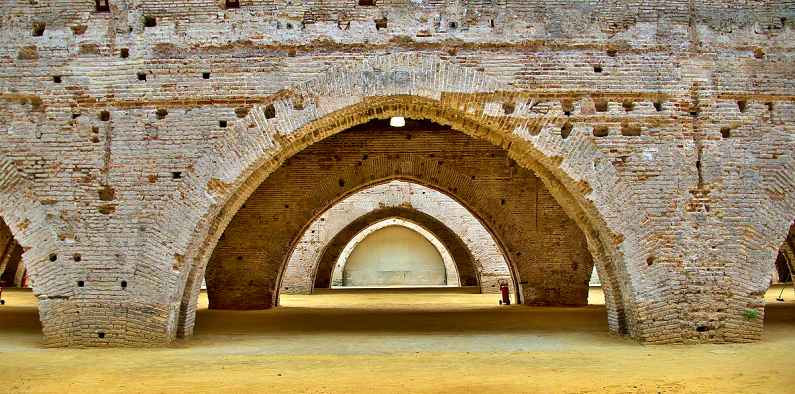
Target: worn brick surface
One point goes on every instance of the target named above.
(663, 129)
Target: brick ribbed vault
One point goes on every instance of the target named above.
(478, 255)
(546, 248)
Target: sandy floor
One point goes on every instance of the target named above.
(399, 342)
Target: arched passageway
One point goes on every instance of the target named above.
(549, 252)
(785, 261)
(392, 256)
(336, 253)
(591, 193)
(12, 271)
(479, 256)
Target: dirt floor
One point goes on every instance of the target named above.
(389, 342)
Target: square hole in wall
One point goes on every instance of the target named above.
(600, 105)
(206, 75)
(270, 111)
(102, 5)
(601, 131)
(38, 29)
(380, 23)
(124, 53)
(56, 78)
(149, 21)
(628, 130)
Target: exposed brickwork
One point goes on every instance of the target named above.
(468, 240)
(546, 247)
(664, 129)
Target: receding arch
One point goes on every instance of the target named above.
(451, 272)
(421, 87)
(466, 271)
(407, 199)
(394, 252)
(511, 202)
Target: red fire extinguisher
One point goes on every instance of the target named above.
(505, 292)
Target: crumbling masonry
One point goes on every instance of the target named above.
(658, 137)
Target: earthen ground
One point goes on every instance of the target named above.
(399, 342)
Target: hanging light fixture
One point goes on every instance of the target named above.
(397, 121)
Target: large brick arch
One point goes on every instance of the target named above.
(416, 86)
(451, 270)
(439, 213)
(755, 176)
(27, 219)
(545, 247)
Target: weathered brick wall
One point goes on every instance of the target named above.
(546, 247)
(110, 134)
(477, 254)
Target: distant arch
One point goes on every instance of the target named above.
(373, 258)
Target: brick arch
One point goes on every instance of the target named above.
(27, 220)
(766, 201)
(403, 199)
(390, 156)
(451, 269)
(461, 272)
(510, 201)
(419, 86)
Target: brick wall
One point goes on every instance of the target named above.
(663, 129)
